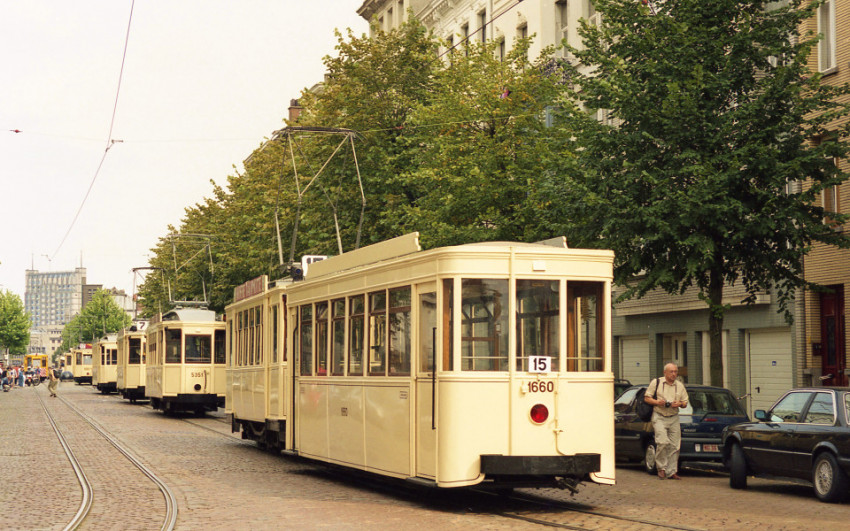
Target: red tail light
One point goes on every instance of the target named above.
(539, 413)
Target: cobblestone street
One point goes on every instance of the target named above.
(222, 482)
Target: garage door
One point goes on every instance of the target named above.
(634, 354)
(770, 366)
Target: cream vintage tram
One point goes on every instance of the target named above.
(186, 361)
(81, 363)
(104, 370)
(130, 375)
(476, 364)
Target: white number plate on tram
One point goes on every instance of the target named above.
(540, 364)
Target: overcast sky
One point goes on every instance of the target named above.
(204, 83)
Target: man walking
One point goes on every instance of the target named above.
(54, 381)
(671, 395)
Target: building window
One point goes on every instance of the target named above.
(482, 24)
(826, 27)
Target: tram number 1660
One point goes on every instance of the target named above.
(541, 387)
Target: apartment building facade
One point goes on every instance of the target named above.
(822, 337)
(456, 21)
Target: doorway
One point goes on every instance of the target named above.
(834, 359)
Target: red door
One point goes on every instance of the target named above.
(832, 336)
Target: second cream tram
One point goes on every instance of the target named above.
(131, 375)
(104, 371)
(480, 364)
(81, 363)
(185, 369)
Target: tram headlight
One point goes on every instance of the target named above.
(539, 413)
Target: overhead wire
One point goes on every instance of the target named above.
(109, 140)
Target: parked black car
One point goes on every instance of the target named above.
(804, 436)
(620, 385)
(709, 411)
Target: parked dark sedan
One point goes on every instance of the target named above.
(620, 385)
(804, 436)
(710, 409)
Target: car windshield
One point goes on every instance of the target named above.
(624, 402)
(702, 401)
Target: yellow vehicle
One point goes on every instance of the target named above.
(104, 370)
(81, 363)
(481, 364)
(36, 362)
(130, 375)
(186, 361)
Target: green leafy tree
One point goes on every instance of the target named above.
(372, 86)
(100, 316)
(14, 324)
(714, 120)
(481, 147)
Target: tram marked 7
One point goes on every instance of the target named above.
(480, 364)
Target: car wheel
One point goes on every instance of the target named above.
(829, 480)
(649, 458)
(737, 468)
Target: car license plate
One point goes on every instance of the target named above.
(707, 448)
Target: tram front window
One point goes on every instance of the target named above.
(173, 344)
(584, 327)
(198, 348)
(134, 350)
(484, 325)
(537, 321)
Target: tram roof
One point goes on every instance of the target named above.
(409, 244)
(189, 314)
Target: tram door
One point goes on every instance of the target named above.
(426, 429)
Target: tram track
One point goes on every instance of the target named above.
(88, 492)
(606, 520)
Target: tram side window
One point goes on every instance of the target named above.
(377, 333)
(356, 340)
(79, 358)
(134, 350)
(258, 332)
(220, 342)
(250, 351)
(537, 321)
(275, 332)
(243, 351)
(338, 333)
(484, 327)
(448, 324)
(306, 340)
(152, 351)
(113, 352)
(231, 343)
(427, 331)
(584, 327)
(399, 329)
(173, 344)
(198, 348)
(322, 330)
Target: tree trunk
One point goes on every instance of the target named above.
(715, 327)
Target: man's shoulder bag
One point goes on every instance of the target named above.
(644, 410)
